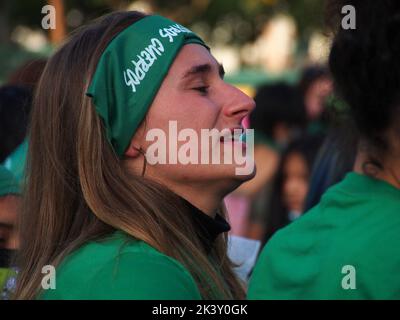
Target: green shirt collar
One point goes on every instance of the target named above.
(355, 183)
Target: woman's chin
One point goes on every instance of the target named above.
(240, 173)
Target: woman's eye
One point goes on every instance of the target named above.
(202, 89)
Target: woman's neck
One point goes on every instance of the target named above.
(203, 196)
(389, 171)
(204, 200)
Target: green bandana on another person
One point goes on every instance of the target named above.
(131, 71)
(8, 183)
(16, 161)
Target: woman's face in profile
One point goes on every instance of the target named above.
(194, 96)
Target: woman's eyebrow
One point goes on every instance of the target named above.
(202, 69)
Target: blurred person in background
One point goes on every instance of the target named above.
(348, 246)
(15, 104)
(315, 86)
(336, 156)
(278, 118)
(291, 183)
(16, 99)
(9, 204)
(9, 207)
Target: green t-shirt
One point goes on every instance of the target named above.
(347, 247)
(121, 267)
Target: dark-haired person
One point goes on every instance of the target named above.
(335, 158)
(9, 206)
(9, 202)
(315, 85)
(279, 117)
(348, 246)
(15, 104)
(291, 183)
(115, 224)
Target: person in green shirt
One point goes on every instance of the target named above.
(9, 203)
(348, 245)
(104, 216)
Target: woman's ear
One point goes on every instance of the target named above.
(134, 149)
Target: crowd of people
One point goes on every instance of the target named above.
(78, 190)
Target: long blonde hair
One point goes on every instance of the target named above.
(78, 190)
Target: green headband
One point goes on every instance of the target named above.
(131, 71)
(8, 183)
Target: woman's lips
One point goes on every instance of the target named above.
(234, 135)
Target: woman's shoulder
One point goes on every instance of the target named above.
(121, 267)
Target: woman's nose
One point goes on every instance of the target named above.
(237, 103)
